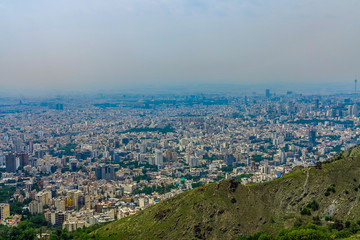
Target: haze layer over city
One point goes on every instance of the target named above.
(110, 107)
(62, 46)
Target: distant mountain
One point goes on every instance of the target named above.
(227, 209)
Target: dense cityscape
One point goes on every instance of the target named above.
(161, 120)
(81, 161)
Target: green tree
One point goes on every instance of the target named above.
(313, 205)
(305, 211)
(39, 220)
(305, 232)
(54, 237)
(265, 236)
(28, 234)
(16, 207)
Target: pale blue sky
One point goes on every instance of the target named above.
(87, 44)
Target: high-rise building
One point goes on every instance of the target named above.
(168, 155)
(141, 158)
(18, 145)
(35, 207)
(159, 158)
(10, 162)
(56, 218)
(98, 173)
(355, 111)
(174, 156)
(59, 106)
(23, 159)
(4, 210)
(267, 93)
(143, 148)
(16, 160)
(106, 172)
(2, 158)
(194, 161)
(73, 166)
(349, 110)
(229, 159)
(317, 103)
(282, 157)
(312, 136)
(31, 146)
(265, 169)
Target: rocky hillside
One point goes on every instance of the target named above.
(227, 209)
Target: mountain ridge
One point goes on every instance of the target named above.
(228, 209)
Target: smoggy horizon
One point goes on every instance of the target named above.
(92, 46)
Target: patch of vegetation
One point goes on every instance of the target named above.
(142, 177)
(159, 189)
(28, 229)
(329, 190)
(211, 158)
(6, 192)
(227, 169)
(305, 211)
(311, 231)
(166, 129)
(197, 184)
(68, 149)
(314, 205)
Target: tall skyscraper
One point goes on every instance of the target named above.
(106, 172)
(355, 111)
(59, 106)
(18, 145)
(267, 93)
(312, 136)
(158, 158)
(317, 103)
(31, 146)
(282, 157)
(229, 159)
(23, 159)
(10, 162)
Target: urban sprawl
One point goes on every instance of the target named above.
(81, 161)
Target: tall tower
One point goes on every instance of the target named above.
(355, 83)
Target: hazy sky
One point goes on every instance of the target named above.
(85, 44)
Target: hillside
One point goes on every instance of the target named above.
(227, 209)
